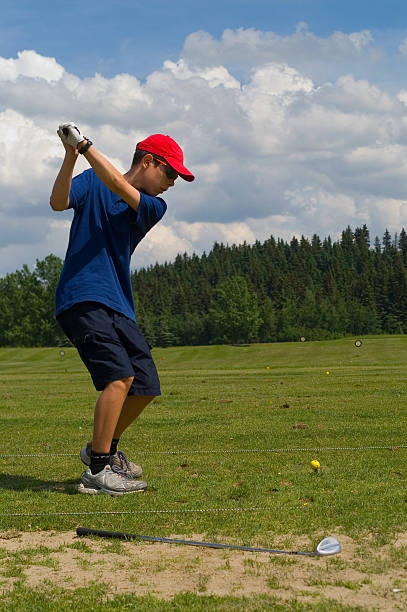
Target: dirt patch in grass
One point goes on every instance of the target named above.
(361, 575)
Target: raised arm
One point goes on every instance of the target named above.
(107, 173)
(60, 192)
(111, 177)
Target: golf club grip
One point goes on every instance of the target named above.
(84, 531)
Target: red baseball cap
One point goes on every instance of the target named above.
(166, 147)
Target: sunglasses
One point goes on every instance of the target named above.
(170, 172)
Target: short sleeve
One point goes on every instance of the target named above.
(150, 211)
(79, 190)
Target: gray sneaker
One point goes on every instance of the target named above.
(111, 480)
(119, 459)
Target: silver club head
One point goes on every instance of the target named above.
(328, 546)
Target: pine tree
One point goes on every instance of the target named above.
(234, 311)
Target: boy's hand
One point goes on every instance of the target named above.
(70, 134)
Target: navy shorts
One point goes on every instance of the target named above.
(111, 346)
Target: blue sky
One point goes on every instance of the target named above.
(289, 128)
(136, 36)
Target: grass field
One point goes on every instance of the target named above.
(210, 443)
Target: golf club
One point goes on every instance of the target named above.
(327, 546)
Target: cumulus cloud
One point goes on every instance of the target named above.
(30, 64)
(320, 58)
(286, 135)
(247, 45)
(216, 75)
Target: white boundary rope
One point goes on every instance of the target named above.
(220, 450)
(255, 509)
(125, 512)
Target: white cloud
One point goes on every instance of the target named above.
(215, 76)
(248, 45)
(297, 144)
(387, 213)
(163, 244)
(32, 65)
(27, 152)
(320, 58)
(317, 206)
(353, 95)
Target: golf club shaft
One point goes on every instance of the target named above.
(85, 531)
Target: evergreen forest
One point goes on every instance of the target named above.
(273, 291)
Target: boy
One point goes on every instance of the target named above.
(94, 300)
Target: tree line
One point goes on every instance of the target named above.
(261, 292)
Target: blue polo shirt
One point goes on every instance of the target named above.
(104, 233)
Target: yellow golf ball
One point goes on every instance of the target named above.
(315, 464)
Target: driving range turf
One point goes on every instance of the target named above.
(209, 442)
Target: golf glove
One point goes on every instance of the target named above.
(70, 134)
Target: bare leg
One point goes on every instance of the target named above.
(107, 412)
(132, 408)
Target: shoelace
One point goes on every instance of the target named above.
(120, 472)
(122, 457)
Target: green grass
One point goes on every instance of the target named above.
(93, 598)
(218, 399)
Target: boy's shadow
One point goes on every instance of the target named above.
(17, 482)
